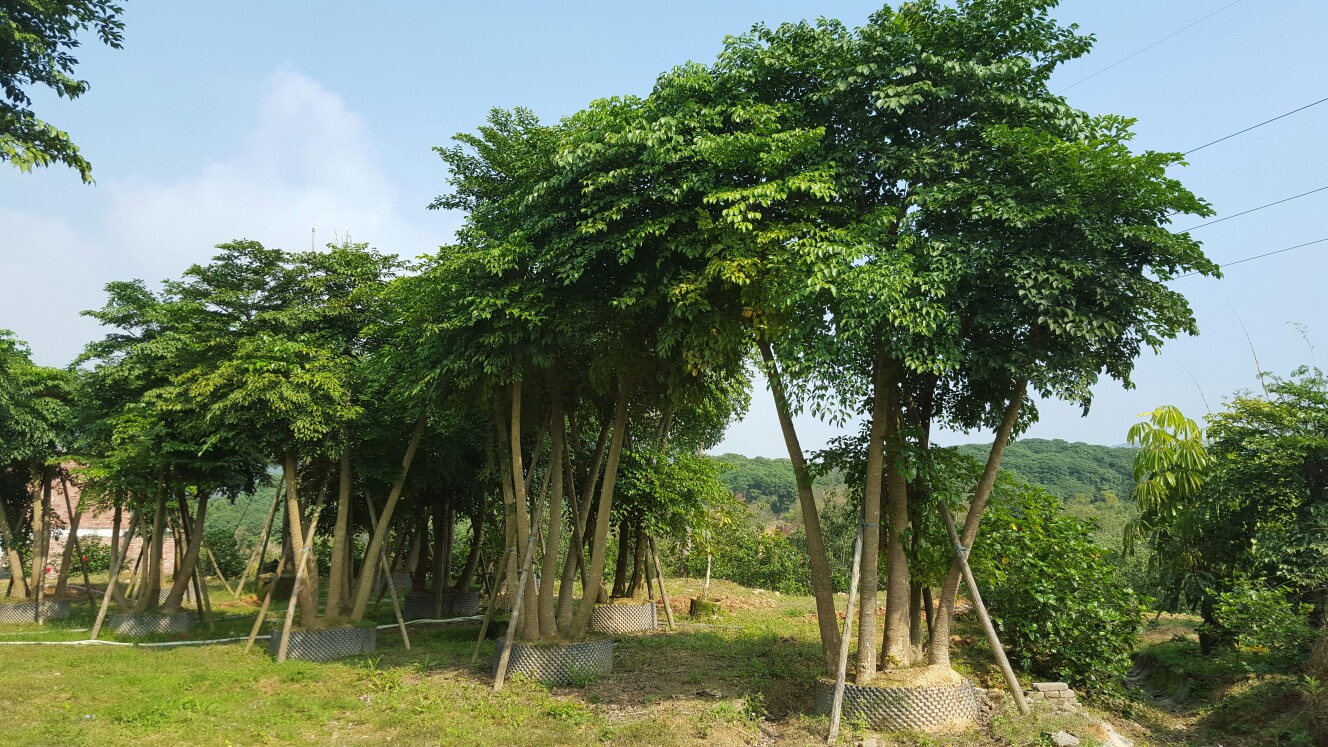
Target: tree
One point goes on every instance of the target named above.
(1242, 504)
(36, 43)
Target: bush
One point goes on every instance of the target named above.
(755, 558)
(1058, 601)
(231, 556)
(97, 554)
(1256, 617)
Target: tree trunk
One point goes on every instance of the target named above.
(17, 576)
(190, 561)
(370, 564)
(939, 650)
(576, 547)
(553, 537)
(639, 553)
(467, 578)
(898, 649)
(819, 560)
(71, 544)
(150, 588)
(885, 381)
(599, 541)
(439, 555)
(340, 570)
(624, 557)
(308, 593)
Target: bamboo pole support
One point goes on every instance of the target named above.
(267, 601)
(499, 572)
(217, 567)
(300, 574)
(386, 570)
(961, 552)
(841, 674)
(659, 579)
(116, 563)
(527, 565)
(255, 564)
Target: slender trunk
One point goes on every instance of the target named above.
(576, 548)
(149, 590)
(370, 565)
(885, 381)
(41, 539)
(939, 651)
(927, 609)
(638, 560)
(915, 636)
(307, 595)
(439, 556)
(17, 576)
(705, 590)
(71, 543)
(190, 561)
(624, 557)
(819, 560)
(553, 537)
(449, 529)
(467, 578)
(897, 649)
(599, 542)
(340, 537)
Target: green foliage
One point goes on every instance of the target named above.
(761, 481)
(1055, 596)
(1262, 618)
(96, 553)
(37, 39)
(230, 554)
(752, 557)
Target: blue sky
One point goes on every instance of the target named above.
(264, 120)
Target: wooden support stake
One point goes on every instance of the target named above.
(267, 601)
(386, 570)
(256, 562)
(527, 565)
(961, 553)
(659, 579)
(837, 704)
(116, 562)
(495, 589)
(217, 567)
(283, 646)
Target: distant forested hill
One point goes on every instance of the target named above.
(1071, 470)
(1096, 482)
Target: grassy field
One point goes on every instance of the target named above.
(743, 678)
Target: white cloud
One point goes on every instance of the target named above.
(309, 162)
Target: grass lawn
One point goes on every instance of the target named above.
(744, 678)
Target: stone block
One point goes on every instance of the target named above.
(1049, 687)
(1062, 739)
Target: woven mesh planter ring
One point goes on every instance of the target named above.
(943, 707)
(17, 613)
(558, 665)
(327, 644)
(148, 623)
(623, 618)
(455, 604)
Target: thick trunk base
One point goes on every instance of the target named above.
(151, 623)
(623, 618)
(20, 613)
(934, 702)
(327, 644)
(559, 664)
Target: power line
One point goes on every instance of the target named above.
(1150, 46)
(1261, 256)
(1256, 209)
(1255, 127)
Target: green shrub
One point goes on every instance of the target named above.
(1058, 601)
(1257, 617)
(96, 553)
(231, 556)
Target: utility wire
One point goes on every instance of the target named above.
(1255, 127)
(1256, 209)
(1150, 46)
(1261, 256)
